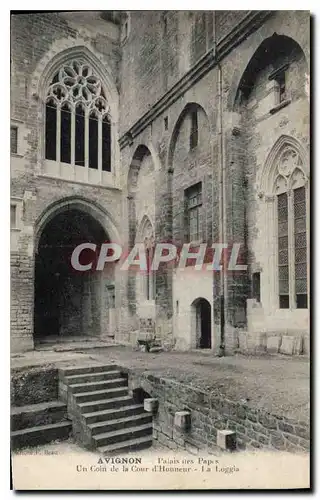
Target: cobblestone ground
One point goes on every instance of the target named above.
(278, 384)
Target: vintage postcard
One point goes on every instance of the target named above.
(160, 243)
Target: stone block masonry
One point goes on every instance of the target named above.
(211, 412)
(181, 118)
(37, 39)
(32, 385)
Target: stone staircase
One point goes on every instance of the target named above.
(104, 416)
(41, 423)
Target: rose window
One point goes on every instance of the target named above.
(78, 124)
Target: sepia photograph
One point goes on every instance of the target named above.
(160, 249)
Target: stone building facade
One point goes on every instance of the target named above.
(161, 126)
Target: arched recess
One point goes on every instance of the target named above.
(265, 91)
(201, 329)
(284, 195)
(69, 302)
(146, 282)
(189, 158)
(78, 69)
(256, 53)
(141, 160)
(272, 52)
(83, 205)
(188, 111)
(141, 206)
(145, 230)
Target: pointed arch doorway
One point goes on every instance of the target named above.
(69, 303)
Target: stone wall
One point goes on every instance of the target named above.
(210, 412)
(36, 40)
(145, 68)
(227, 147)
(32, 385)
(261, 130)
(249, 137)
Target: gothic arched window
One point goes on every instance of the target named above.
(291, 193)
(78, 123)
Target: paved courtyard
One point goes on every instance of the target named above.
(277, 383)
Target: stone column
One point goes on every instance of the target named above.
(131, 288)
(163, 278)
(235, 227)
(216, 234)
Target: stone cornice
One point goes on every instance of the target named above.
(246, 26)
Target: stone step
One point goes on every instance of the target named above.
(81, 370)
(116, 392)
(113, 413)
(120, 423)
(104, 404)
(37, 414)
(97, 386)
(130, 445)
(41, 434)
(92, 377)
(120, 435)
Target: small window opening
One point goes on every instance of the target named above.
(281, 82)
(256, 286)
(14, 139)
(193, 206)
(13, 216)
(194, 130)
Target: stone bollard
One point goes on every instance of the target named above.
(226, 439)
(182, 420)
(151, 405)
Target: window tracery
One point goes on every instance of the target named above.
(78, 121)
(290, 188)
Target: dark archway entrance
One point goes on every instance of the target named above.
(203, 323)
(67, 302)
